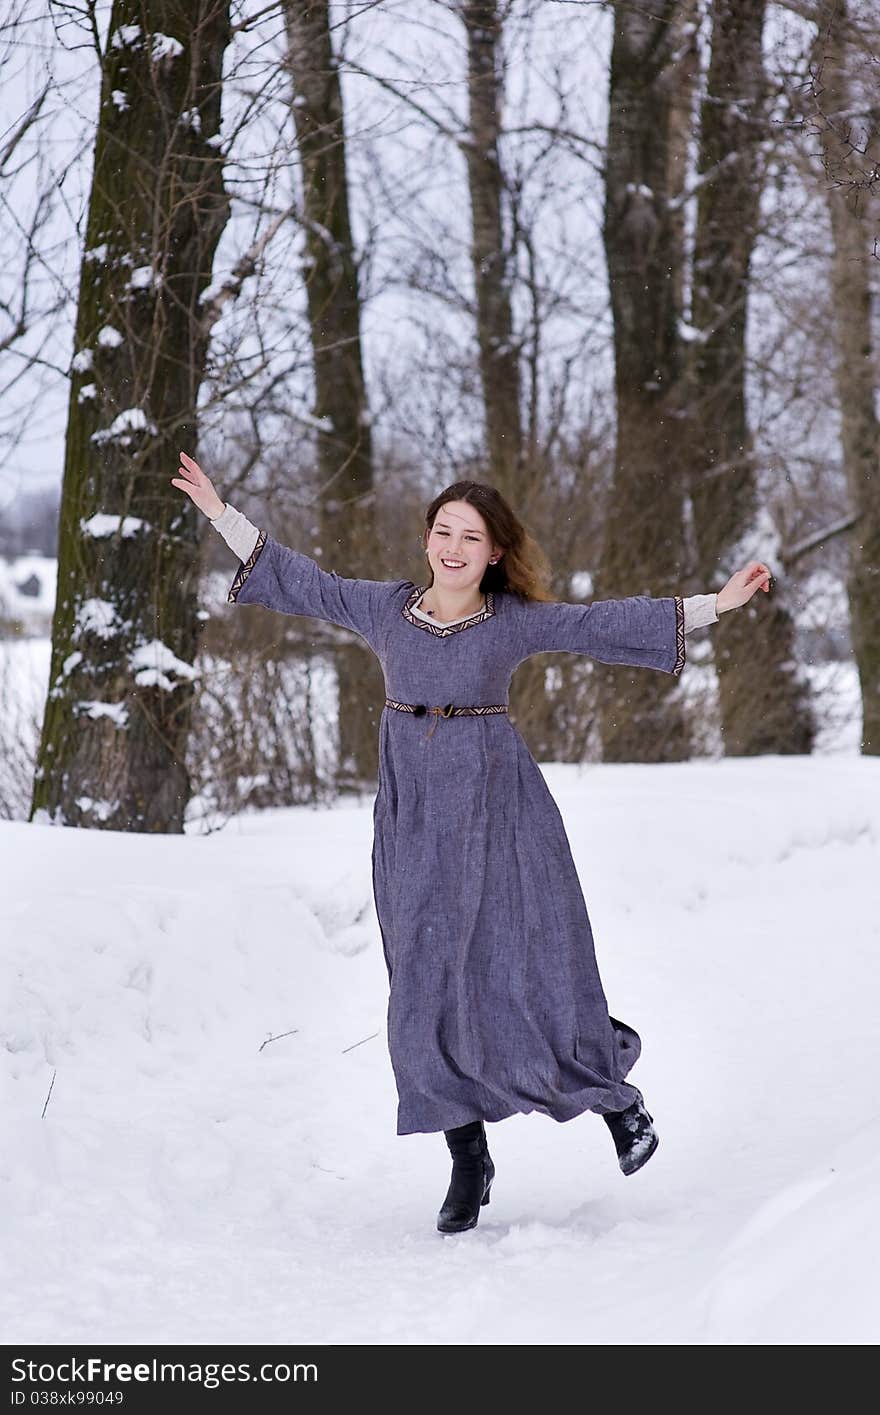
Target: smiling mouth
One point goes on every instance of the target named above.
(454, 565)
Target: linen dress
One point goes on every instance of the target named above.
(495, 1002)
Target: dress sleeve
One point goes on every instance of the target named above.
(293, 583)
(640, 631)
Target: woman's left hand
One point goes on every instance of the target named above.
(742, 585)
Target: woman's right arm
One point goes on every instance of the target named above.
(282, 579)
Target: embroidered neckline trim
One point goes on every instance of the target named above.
(441, 630)
(429, 614)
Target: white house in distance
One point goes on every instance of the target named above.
(28, 586)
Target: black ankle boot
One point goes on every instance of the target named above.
(472, 1175)
(635, 1138)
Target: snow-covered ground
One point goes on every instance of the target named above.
(193, 1182)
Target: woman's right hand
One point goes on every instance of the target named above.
(191, 479)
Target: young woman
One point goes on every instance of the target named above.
(495, 1003)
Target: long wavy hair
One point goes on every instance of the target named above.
(523, 568)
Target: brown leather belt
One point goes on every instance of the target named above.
(450, 710)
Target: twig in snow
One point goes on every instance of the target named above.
(51, 1084)
(360, 1043)
(270, 1038)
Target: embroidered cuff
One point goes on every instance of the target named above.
(245, 569)
(680, 645)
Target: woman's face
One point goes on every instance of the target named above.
(460, 535)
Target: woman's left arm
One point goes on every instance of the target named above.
(639, 631)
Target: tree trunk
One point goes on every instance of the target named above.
(640, 717)
(348, 527)
(854, 121)
(684, 81)
(125, 626)
(499, 352)
(764, 698)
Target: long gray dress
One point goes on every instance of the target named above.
(495, 1003)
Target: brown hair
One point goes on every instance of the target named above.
(523, 568)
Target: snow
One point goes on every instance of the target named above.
(129, 421)
(97, 253)
(191, 1184)
(98, 616)
(164, 46)
(153, 662)
(119, 99)
(581, 584)
(191, 118)
(86, 393)
(143, 277)
(93, 708)
(82, 362)
(109, 338)
(126, 35)
(690, 333)
(100, 809)
(103, 525)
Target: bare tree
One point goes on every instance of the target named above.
(644, 526)
(764, 698)
(846, 117)
(344, 443)
(493, 260)
(490, 250)
(125, 626)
